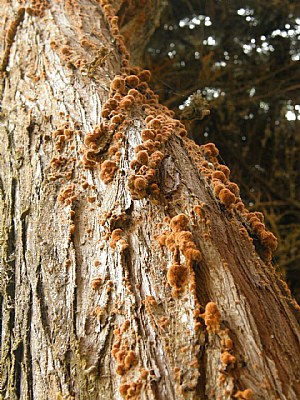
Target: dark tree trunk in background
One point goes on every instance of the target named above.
(129, 266)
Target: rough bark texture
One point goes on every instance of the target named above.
(138, 20)
(90, 309)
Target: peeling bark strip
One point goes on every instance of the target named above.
(10, 36)
(130, 267)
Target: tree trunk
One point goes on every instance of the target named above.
(130, 268)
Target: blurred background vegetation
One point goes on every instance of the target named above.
(243, 57)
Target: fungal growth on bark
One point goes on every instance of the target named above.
(131, 267)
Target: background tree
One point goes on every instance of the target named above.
(130, 267)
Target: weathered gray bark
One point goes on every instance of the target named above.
(68, 284)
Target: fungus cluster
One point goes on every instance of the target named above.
(150, 153)
(55, 163)
(267, 238)
(126, 362)
(61, 135)
(228, 192)
(67, 194)
(206, 160)
(212, 317)
(246, 394)
(131, 390)
(87, 43)
(37, 7)
(127, 90)
(98, 312)
(125, 359)
(179, 240)
(62, 165)
(150, 302)
(107, 171)
(118, 352)
(228, 361)
(112, 20)
(116, 239)
(177, 276)
(96, 283)
(93, 146)
(102, 146)
(125, 94)
(71, 58)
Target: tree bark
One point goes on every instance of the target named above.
(129, 266)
